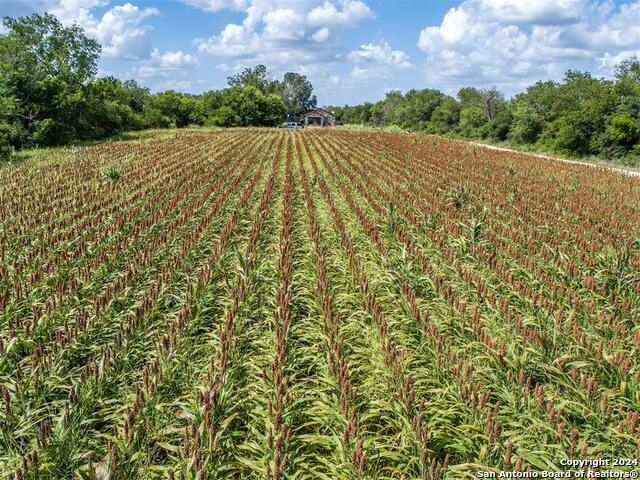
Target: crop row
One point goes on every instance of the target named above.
(314, 304)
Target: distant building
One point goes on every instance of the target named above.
(319, 117)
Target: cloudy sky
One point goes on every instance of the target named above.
(352, 50)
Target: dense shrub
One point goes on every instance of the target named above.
(581, 115)
(471, 119)
(526, 125)
(5, 146)
(623, 130)
(49, 94)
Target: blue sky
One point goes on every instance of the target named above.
(353, 50)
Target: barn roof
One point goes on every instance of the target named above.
(321, 112)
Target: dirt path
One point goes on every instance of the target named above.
(630, 173)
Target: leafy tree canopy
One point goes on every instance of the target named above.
(257, 77)
(41, 47)
(297, 94)
(294, 89)
(49, 96)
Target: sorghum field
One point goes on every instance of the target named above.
(320, 304)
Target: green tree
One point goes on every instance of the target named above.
(499, 126)
(295, 90)
(5, 145)
(181, 109)
(623, 131)
(224, 116)
(470, 97)
(627, 87)
(628, 75)
(527, 124)
(44, 70)
(258, 77)
(389, 111)
(113, 106)
(471, 118)
(445, 117)
(487, 100)
(531, 110)
(420, 107)
(257, 109)
(578, 114)
(246, 106)
(297, 94)
(152, 117)
(353, 115)
(41, 46)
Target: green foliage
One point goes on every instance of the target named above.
(471, 118)
(627, 77)
(47, 91)
(42, 48)
(445, 117)
(357, 114)
(257, 77)
(224, 116)
(113, 173)
(526, 125)
(180, 108)
(498, 127)
(245, 106)
(5, 146)
(113, 106)
(577, 115)
(420, 107)
(295, 90)
(582, 115)
(390, 111)
(623, 130)
(297, 94)
(470, 97)
(459, 196)
(44, 71)
(49, 96)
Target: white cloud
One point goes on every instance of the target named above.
(217, 5)
(539, 12)
(179, 85)
(283, 33)
(223, 67)
(17, 8)
(67, 11)
(284, 24)
(377, 61)
(511, 43)
(121, 33)
(165, 65)
(120, 30)
(352, 11)
(321, 35)
(177, 59)
(70, 10)
(233, 41)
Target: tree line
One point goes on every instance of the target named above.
(49, 93)
(578, 116)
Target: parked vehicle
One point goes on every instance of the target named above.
(292, 125)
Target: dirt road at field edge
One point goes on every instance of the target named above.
(630, 173)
